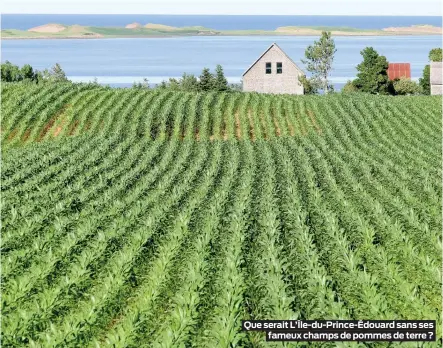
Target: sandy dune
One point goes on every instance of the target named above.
(134, 25)
(159, 26)
(296, 31)
(59, 31)
(48, 28)
(425, 29)
(309, 31)
(75, 29)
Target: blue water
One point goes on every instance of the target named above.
(119, 62)
(218, 22)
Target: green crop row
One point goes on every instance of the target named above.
(162, 219)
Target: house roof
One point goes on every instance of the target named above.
(436, 73)
(397, 70)
(274, 44)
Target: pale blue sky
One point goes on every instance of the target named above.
(253, 7)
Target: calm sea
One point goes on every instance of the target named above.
(219, 22)
(120, 62)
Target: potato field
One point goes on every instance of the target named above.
(153, 218)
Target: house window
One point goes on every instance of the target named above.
(279, 68)
(268, 68)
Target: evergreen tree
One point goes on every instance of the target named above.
(206, 80)
(319, 58)
(373, 77)
(221, 84)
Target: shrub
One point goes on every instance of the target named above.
(309, 87)
(349, 87)
(405, 86)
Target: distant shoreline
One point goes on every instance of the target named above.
(135, 30)
(177, 36)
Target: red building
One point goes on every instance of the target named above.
(397, 70)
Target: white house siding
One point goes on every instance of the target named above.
(256, 79)
(436, 78)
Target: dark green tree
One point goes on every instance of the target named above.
(349, 87)
(10, 72)
(372, 74)
(13, 73)
(27, 72)
(425, 81)
(319, 59)
(174, 84)
(220, 83)
(435, 55)
(189, 83)
(39, 77)
(206, 80)
(163, 85)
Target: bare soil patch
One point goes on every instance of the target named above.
(276, 125)
(237, 125)
(224, 134)
(314, 122)
(12, 134)
(74, 127)
(46, 128)
(25, 136)
(57, 131)
(251, 125)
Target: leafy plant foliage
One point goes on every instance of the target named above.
(134, 217)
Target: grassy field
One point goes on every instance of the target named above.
(139, 218)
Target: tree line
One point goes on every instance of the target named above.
(13, 73)
(207, 81)
(372, 76)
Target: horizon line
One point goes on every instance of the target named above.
(223, 14)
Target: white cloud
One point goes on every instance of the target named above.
(252, 7)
